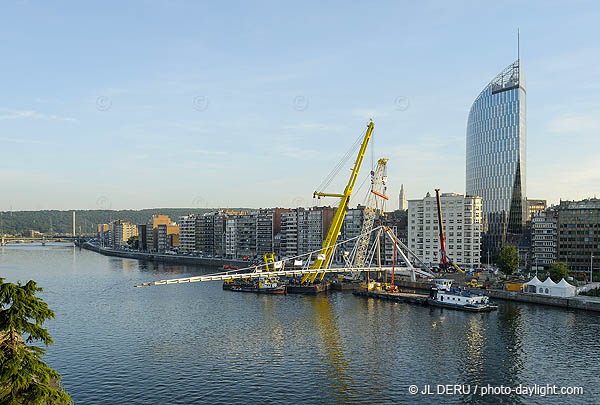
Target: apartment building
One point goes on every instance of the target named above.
(303, 231)
(245, 233)
(289, 233)
(265, 231)
(230, 237)
(398, 223)
(104, 234)
(167, 236)
(219, 223)
(351, 228)
(142, 236)
(187, 232)
(151, 230)
(534, 206)
(121, 231)
(205, 234)
(462, 225)
(544, 238)
(578, 234)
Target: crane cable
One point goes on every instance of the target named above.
(357, 192)
(334, 172)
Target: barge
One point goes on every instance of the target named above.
(444, 296)
(260, 286)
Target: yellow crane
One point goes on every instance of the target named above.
(326, 251)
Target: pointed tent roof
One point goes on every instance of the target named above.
(565, 284)
(534, 281)
(548, 283)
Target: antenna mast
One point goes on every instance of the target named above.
(518, 46)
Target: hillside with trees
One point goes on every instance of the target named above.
(60, 222)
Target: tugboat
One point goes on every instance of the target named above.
(263, 285)
(443, 295)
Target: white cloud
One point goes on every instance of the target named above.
(27, 141)
(11, 114)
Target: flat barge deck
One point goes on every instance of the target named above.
(308, 289)
(412, 298)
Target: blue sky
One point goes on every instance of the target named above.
(171, 103)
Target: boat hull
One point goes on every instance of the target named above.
(468, 307)
(274, 290)
(308, 289)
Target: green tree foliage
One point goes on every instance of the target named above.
(24, 377)
(558, 271)
(507, 260)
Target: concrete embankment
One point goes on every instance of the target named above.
(578, 302)
(156, 257)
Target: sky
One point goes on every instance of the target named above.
(173, 103)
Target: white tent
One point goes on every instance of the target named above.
(564, 289)
(533, 284)
(546, 287)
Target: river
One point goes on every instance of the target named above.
(195, 343)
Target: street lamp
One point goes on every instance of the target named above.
(591, 265)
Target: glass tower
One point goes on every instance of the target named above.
(496, 157)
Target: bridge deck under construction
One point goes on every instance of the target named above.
(284, 273)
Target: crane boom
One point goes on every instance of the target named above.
(336, 224)
(443, 259)
(378, 179)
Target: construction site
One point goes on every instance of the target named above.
(358, 266)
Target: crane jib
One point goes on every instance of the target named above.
(340, 214)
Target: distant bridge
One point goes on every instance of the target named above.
(18, 239)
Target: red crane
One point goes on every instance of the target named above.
(443, 259)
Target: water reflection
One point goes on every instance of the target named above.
(474, 345)
(339, 370)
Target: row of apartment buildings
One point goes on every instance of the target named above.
(568, 232)
(158, 234)
(233, 234)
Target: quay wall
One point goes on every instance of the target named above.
(157, 257)
(578, 302)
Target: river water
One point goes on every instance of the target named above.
(195, 343)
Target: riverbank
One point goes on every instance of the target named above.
(164, 258)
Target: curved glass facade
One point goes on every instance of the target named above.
(496, 157)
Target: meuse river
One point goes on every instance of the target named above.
(195, 343)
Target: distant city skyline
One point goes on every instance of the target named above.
(204, 105)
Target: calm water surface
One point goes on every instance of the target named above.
(195, 343)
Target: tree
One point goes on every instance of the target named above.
(134, 242)
(507, 260)
(24, 377)
(558, 271)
